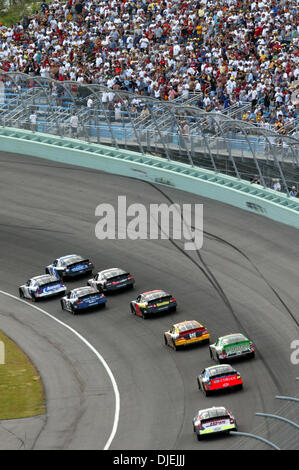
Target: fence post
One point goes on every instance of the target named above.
(2, 353)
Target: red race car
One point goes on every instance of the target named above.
(219, 377)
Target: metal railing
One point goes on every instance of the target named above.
(176, 131)
(287, 437)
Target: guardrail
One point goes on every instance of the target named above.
(227, 189)
(289, 440)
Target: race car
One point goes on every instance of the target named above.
(186, 333)
(213, 420)
(219, 377)
(82, 298)
(111, 280)
(69, 266)
(151, 302)
(231, 346)
(42, 287)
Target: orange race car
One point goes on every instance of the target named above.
(186, 333)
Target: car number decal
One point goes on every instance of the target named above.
(162, 303)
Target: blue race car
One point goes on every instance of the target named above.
(41, 287)
(83, 298)
(70, 266)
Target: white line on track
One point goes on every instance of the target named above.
(99, 356)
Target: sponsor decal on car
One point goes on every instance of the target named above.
(79, 267)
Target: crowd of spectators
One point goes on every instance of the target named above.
(275, 184)
(227, 52)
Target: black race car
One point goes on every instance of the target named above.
(111, 280)
(151, 302)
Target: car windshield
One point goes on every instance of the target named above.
(114, 273)
(71, 260)
(155, 295)
(213, 371)
(190, 325)
(85, 291)
(212, 413)
(233, 339)
(41, 281)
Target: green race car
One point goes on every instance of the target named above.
(231, 347)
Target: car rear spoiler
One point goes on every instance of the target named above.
(89, 295)
(214, 418)
(118, 275)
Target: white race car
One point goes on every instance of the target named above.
(70, 266)
(213, 420)
(41, 287)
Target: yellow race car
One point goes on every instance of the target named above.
(186, 333)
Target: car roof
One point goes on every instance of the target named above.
(85, 289)
(233, 336)
(44, 277)
(188, 325)
(157, 291)
(67, 256)
(212, 412)
(218, 369)
(111, 269)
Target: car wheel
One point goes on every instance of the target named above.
(21, 294)
(218, 359)
(198, 437)
(207, 392)
(33, 298)
(198, 383)
(62, 304)
(132, 309)
(73, 311)
(211, 354)
(165, 340)
(174, 345)
(252, 355)
(47, 271)
(144, 316)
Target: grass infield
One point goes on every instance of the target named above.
(21, 389)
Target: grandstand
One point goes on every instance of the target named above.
(211, 83)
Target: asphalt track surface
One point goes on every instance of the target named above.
(244, 279)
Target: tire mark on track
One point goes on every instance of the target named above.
(218, 288)
(242, 253)
(34, 228)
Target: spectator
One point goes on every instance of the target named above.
(89, 103)
(276, 185)
(227, 51)
(74, 123)
(255, 180)
(33, 120)
(293, 191)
